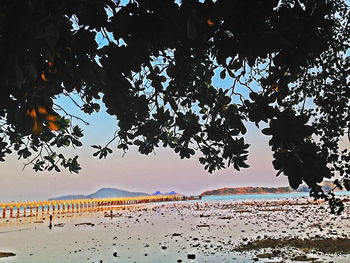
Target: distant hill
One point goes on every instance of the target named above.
(112, 192)
(248, 190)
(327, 185)
(102, 193)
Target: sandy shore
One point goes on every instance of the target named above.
(177, 232)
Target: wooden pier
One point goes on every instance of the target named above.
(36, 208)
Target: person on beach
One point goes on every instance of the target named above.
(50, 225)
(111, 213)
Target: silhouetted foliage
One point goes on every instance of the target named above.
(285, 61)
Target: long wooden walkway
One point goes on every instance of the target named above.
(35, 208)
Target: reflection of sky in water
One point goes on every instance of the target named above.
(91, 244)
(72, 243)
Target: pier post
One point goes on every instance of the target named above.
(4, 211)
(11, 211)
(18, 210)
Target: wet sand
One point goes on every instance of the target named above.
(178, 232)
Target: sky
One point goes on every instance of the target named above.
(162, 171)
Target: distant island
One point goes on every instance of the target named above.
(248, 190)
(102, 193)
(111, 193)
(263, 190)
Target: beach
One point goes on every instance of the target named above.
(225, 231)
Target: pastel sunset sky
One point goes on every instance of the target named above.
(163, 170)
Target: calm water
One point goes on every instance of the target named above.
(250, 197)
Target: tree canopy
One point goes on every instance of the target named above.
(287, 62)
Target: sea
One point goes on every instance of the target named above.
(262, 197)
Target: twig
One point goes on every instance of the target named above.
(71, 115)
(32, 161)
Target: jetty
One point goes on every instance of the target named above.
(35, 208)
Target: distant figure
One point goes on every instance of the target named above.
(50, 225)
(111, 213)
